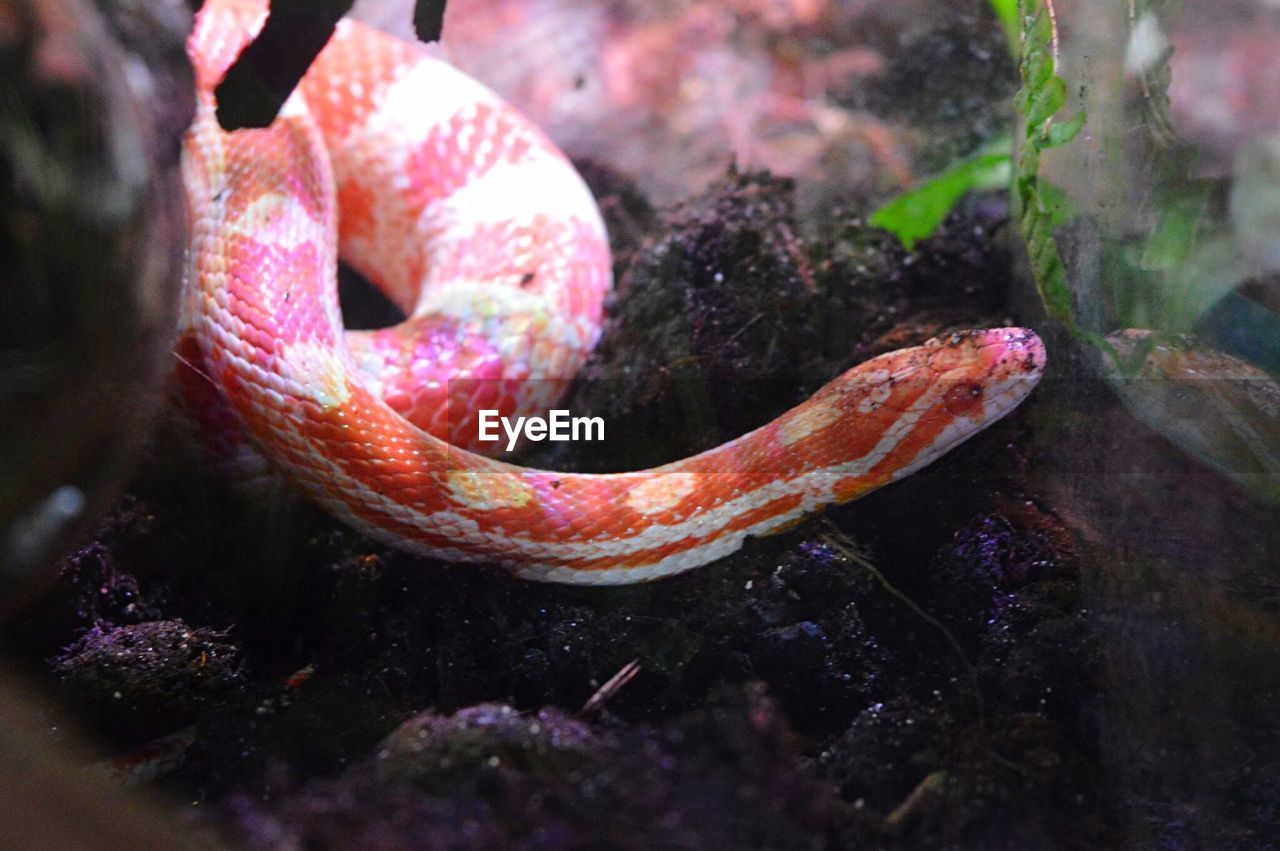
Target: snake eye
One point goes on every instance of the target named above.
(964, 399)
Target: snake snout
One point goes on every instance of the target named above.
(1015, 361)
(1021, 354)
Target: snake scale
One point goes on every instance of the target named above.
(474, 223)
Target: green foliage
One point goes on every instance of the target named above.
(917, 213)
(1040, 206)
(1006, 12)
(1170, 241)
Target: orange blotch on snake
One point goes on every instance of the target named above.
(357, 202)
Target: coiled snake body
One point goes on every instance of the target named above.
(472, 221)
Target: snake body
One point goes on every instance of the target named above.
(471, 220)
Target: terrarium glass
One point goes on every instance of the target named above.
(1164, 211)
(1167, 214)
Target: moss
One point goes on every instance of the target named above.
(150, 675)
(726, 776)
(437, 752)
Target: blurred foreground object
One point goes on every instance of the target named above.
(51, 801)
(92, 230)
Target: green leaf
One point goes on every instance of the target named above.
(1171, 240)
(1211, 271)
(1037, 59)
(1053, 203)
(1044, 102)
(1006, 12)
(1062, 132)
(917, 213)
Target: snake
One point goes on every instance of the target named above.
(477, 226)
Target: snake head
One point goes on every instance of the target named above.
(986, 373)
(904, 409)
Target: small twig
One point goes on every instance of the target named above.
(615, 684)
(191, 366)
(752, 321)
(927, 789)
(837, 540)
